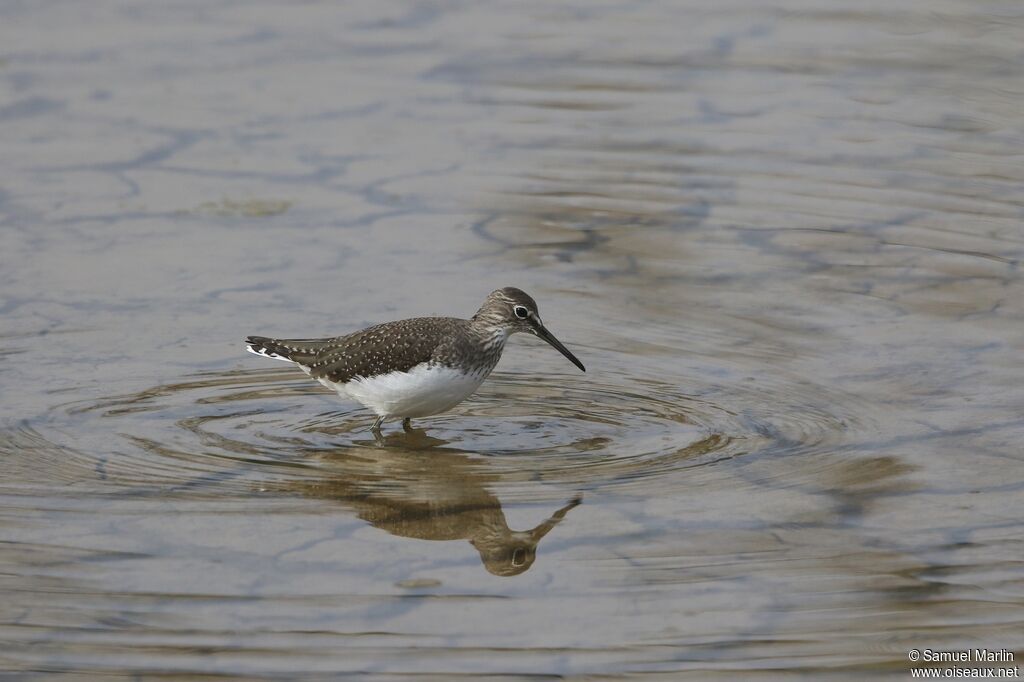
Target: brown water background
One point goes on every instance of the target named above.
(785, 240)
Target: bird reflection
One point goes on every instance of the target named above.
(437, 495)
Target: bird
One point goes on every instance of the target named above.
(417, 367)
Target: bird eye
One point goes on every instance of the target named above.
(521, 312)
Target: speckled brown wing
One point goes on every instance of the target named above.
(389, 347)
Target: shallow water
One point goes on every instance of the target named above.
(785, 241)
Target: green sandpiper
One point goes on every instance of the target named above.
(417, 367)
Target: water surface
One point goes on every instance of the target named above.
(785, 241)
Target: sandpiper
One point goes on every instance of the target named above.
(417, 367)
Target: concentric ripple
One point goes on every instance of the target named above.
(234, 429)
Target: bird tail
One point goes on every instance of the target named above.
(299, 351)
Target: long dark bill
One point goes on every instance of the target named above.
(542, 331)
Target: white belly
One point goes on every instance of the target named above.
(420, 392)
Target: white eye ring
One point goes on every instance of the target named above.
(521, 312)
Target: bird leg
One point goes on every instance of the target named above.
(375, 429)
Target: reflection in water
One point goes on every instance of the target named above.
(428, 495)
(788, 237)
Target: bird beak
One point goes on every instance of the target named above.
(540, 330)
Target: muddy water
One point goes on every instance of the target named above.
(785, 241)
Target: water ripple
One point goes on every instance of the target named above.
(238, 429)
